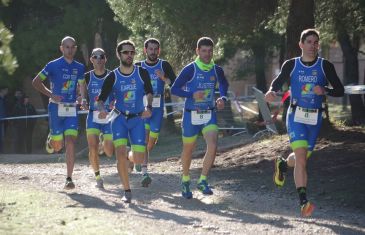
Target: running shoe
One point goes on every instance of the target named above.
(186, 193)
(69, 185)
(279, 174)
(204, 188)
(99, 183)
(307, 209)
(49, 147)
(146, 180)
(138, 167)
(127, 198)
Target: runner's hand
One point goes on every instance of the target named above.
(270, 96)
(56, 98)
(102, 114)
(147, 113)
(220, 104)
(318, 90)
(198, 95)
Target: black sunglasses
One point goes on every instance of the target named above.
(128, 52)
(98, 57)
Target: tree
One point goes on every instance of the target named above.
(8, 62)
(345, 19)
(39, 26)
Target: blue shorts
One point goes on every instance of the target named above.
(153, 124)
(97, 128)
(302, 135)
(133, 128)
(60, 126)
(190, 132)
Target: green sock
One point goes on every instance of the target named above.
(97, 175)
(185, 178)
(202, 177)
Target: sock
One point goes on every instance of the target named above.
(202, 177)
(97, 175)
(144, 169)
(185, 178)
(302, 192)
(68, 179)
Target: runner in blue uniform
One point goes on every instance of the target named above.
(94, 80)
(196, 83)
(308, 78)
(161, 73)
(128, 83)
(64, 74)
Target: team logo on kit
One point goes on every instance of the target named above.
(212, 78)
(314, 72)
(133, 81)
(74, 71)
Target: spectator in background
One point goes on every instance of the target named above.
(24, 127)
(3, 93)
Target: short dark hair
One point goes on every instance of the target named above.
(204, 41)
(122, 43)
(67, 38)
(151, 40)
(308, 32)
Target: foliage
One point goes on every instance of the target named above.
(39, 26)
(178, 24)
(8, 62)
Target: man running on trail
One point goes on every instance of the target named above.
(128, 83)
(64, 74)
(161, 73)
(308, 78)
(94, 80)
(196, 83)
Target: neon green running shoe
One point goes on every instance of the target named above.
(49, 147)
(280, 170)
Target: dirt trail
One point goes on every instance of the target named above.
(244, 202)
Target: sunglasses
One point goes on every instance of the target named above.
(128, 52)
(101, 57)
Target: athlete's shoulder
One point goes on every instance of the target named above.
(80, 65)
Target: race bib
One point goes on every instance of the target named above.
(306, 116)
(96, 118)
(156, 102)
(200, 117)
(66, 110)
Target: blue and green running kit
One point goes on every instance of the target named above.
(304, 117)
(199, 115)
(63, 78)
(153, 124)
(94, 125)
(128, 91)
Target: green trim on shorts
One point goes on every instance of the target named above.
(119, 142)
(71, 132)
(42, 76)
(211, 127)
(92, 131)
(189, 140)
(154, 134)
(147, 126)
(108, 136)
(81, 81)
(299, 144)
(309, 153)
(57, 137)
(138, 148)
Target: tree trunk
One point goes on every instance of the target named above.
(301, 17)
(351, 75)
